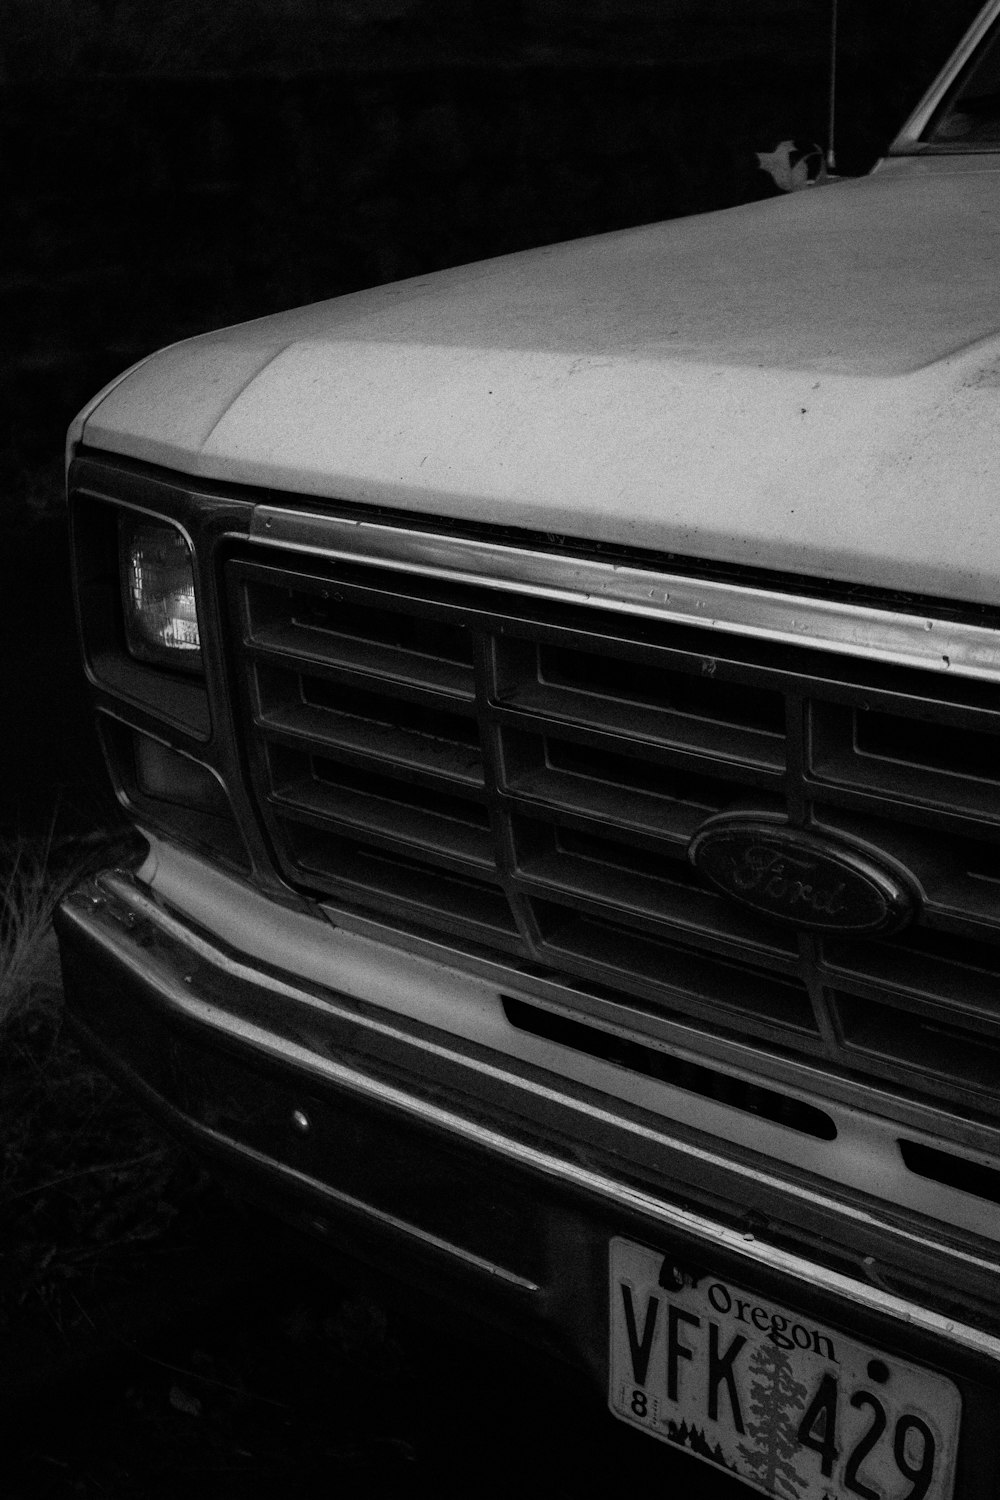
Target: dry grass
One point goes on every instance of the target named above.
(35, 873)
(85, 1178)
(29, 893)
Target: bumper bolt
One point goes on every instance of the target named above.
(301, 1122)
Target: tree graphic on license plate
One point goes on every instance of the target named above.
(774, 1391)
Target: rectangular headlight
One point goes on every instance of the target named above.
(161, 614)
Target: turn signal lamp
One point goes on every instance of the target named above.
(167, 776)
(161, 614)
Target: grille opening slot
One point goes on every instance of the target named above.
(966, 952)
(923, 946)
(399, 793)
(381, 811)
(960, 972)
(952, 1171)
(394, 713)
(378, 808)
(414, 738)
(627, 797)
(927, 746)
(403, 650)
(672, 975)
(701, 792)
(655, 890)
(650, 686)
(611, 855)
(955, 874)
(414, 634)
(929, 1044)
(651, 1062)
(398, 884)
(910, 762)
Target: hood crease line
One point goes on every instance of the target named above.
(245, 386)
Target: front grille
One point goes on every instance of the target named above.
(525, 776)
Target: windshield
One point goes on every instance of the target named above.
(970, 116)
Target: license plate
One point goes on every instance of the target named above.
(789, 1405)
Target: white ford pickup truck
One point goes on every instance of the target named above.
(560, 698)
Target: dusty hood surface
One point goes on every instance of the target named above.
(809, 383)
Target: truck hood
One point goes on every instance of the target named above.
(808, 383)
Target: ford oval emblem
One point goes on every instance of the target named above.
(800, 878)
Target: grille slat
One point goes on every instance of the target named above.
(386, 730)
(646, 817)
(650, 800)
(697, 761)
(375, 741)
(310, 623)
(614, 879)
(705, 738)
(910, 761)
(674, 977)
(525, 776)
(427, 838)
(401, 885)
(351, 660)
(952, 872)
(388, 815)
(925, 966)
(706, 700)
(957, 1064)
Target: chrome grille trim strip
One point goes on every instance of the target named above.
(883, 635)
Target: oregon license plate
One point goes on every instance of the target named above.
(787, 1404)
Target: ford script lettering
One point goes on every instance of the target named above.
(799, 877)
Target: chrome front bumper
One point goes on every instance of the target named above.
(482, 1176)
